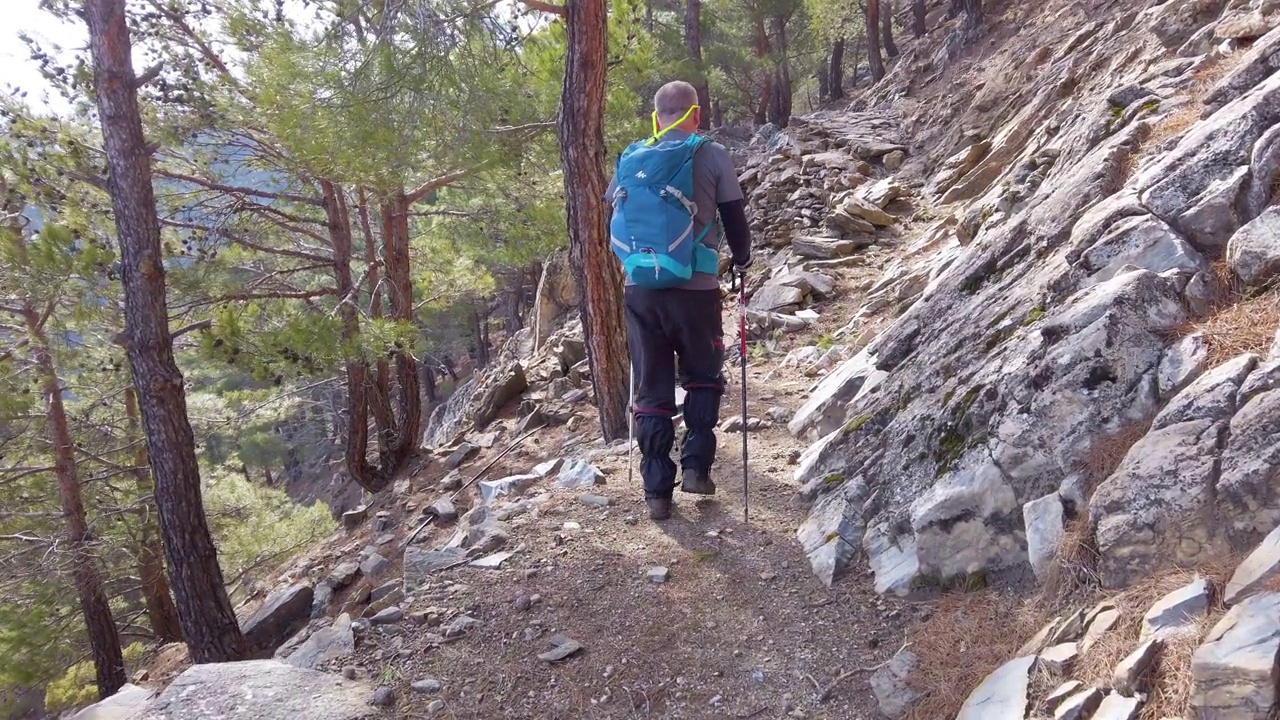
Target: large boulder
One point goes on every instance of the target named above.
(1235, 670)
(1254, 251)
(126, 704)
(258, 689)
(282, 614)
(498, 388)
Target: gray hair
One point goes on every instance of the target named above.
(674, 99)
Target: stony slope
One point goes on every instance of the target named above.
(996, 308)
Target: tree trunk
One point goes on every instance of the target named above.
(581, 133)
(357, 445)
(208, 622)
(161, 613)
(108, 661)
(886, 27)
(380, 398)
(835, 75)
(395, 254)
(780, 102)
(873, 41)
(762, 51)
(919, 18)
(693, 42)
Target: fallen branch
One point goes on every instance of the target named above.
(825, 693)
(493, 462)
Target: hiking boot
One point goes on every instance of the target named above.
(659, 508)
(697, 482)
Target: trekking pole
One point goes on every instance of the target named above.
(742, 354)
(631, 423)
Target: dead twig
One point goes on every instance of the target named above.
(493, 462)
(825, 693)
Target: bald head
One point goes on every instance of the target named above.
(673, 100)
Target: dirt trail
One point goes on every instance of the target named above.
(741, 628)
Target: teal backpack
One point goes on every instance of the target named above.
(653, 210)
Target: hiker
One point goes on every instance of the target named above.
(666, 194)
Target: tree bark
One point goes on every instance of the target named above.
(104, 639)
(780, 101)
(873, 40)
(835, 75)
(208, 622)
(395, 254)
(886, 27)
(581, 133)
(161, 612)
(919, 18)
(762, 51)
(693, 42)
(338, 224)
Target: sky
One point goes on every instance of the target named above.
(16, 66)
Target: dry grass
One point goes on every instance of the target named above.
(1073, 576)
(1171, 681)
(967, 636)
(1108, 451)
(1242, 324)
(1177, 121)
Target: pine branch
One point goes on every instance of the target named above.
(235, 190)
(547, 7)
(435, 184)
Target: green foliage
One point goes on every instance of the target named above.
(256, 526)
(78, 685)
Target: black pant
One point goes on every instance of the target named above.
(663, 327)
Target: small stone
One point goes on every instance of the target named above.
(450, 482)
(562, 650)
(894, 160)
(382, 521)
(576, 474)
(460, 626)
(1129, 676)
(767, 576)
(524, 603)
(426, 686)
(492, 561)
(350, 672)
(1003, 694)
(461, 455)
(384, 696)
(374, 565)
(435, 707)
(1102, 622)
(1061, 693)
(1262, 565)
(344, 574)
(891, 685)
(1177, 612)
(443, 510)
(1058, 659)
(388, 616)
(658, 574)
(1118, 707)
(1080, 705)
(352, 519)
(591, 500)
(384, 590)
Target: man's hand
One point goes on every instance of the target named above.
(740, 268)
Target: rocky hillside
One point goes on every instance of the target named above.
(1076, 297)
(1017, 328)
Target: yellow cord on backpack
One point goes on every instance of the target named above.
(657, 134)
